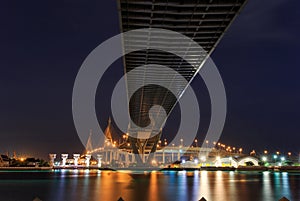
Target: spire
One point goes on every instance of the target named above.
(89, 146)
(108, 131)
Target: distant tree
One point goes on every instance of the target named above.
(249, 163)
(43, 163)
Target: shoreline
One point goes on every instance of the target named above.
(239, 169)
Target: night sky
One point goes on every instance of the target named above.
(43, 44)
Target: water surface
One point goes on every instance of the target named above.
(79, 185)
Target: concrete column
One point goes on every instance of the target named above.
(106, 156)
(154, 158)
(178, 155)
(76, 157)
(64, 158)
(99, 157)
(127, 158)
(117, 155)
(52, 158)
(163, 157)
(110, 156)
(87, 160)
(131, 158)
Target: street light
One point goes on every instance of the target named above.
(203, 159)
(275, 157)
(264, 159)
(196, 142)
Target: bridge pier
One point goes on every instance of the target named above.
(52, 158)
(64, 159)
(87, 160)
(99, 157)
(76, 157)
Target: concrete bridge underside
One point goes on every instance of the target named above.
(205, 21)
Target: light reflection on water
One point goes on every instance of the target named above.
(77, 185)
(267, 191)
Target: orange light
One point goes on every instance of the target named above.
(289, 153)
(265, 152)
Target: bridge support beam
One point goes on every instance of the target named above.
(76, 157)
(87, 160)
(99, 157)
(64, 158)
(52, 158)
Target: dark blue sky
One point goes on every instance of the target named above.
(43, 44)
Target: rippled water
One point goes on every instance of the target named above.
(77, 185)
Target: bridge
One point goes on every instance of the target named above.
(204, 21)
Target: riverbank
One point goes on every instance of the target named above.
(240, 168)
(207, 168)
(26, 168)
